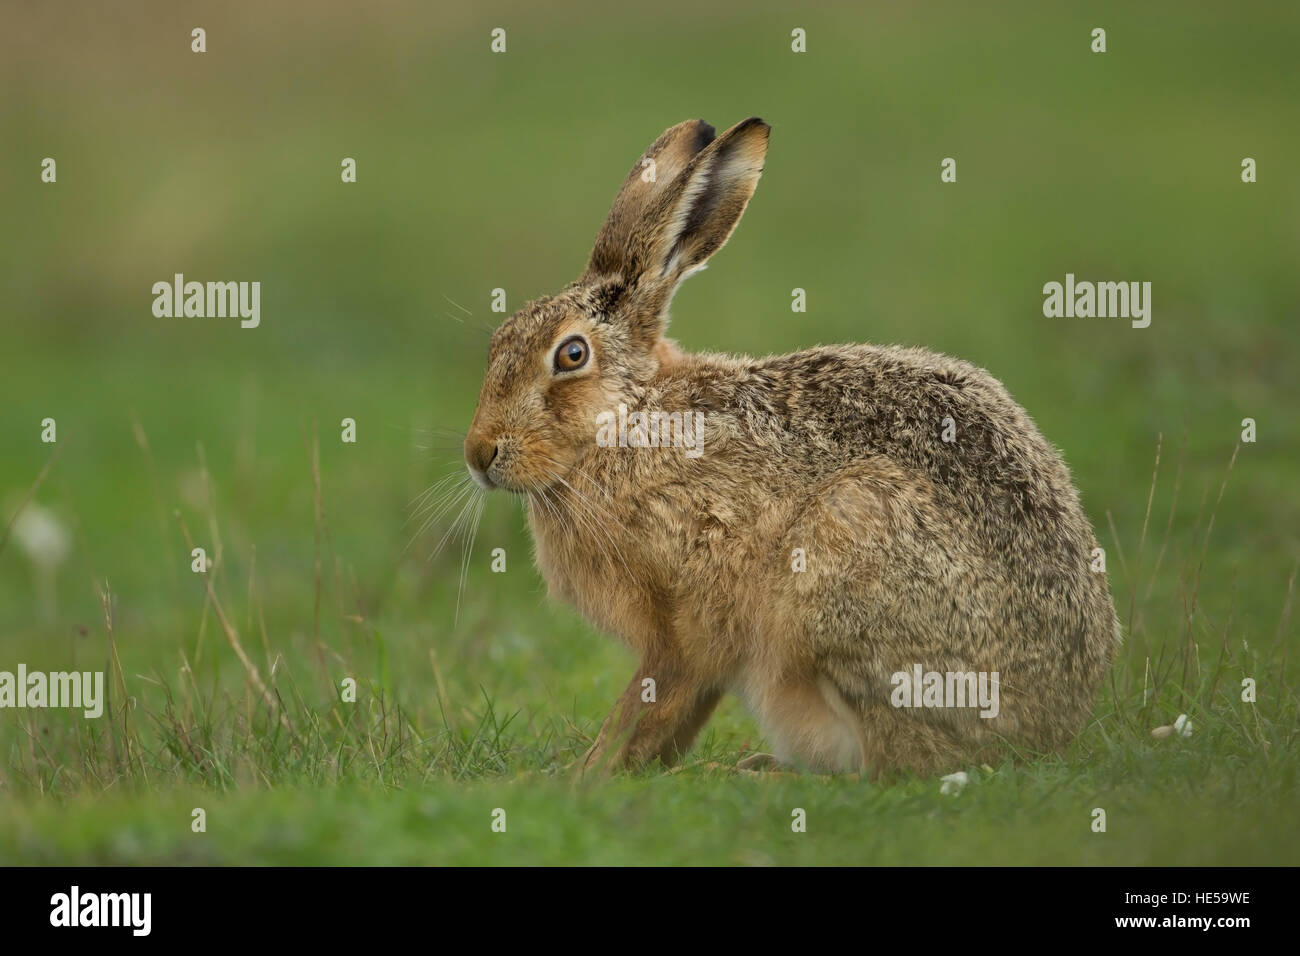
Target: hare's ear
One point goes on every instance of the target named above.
(653, 173)
(692, 219)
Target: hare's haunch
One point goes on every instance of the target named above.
(873, 546)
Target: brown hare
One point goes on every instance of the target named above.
(840, 517)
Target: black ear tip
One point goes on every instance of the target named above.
(754, 122)
(704, 134)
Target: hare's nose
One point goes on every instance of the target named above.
(480, 453)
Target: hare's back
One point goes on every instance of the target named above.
(946, 419)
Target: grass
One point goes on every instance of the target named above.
(287, 771)
(474, 691)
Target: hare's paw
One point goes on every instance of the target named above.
(758, 763)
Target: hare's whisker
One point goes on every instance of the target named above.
(458, 523)
(591, 521)
(422, 496)
(467, 550)
(436, 508)
(459, 493)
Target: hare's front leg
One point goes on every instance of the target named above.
(659, 715)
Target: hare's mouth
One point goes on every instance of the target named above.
(493, 480)
(481, 478)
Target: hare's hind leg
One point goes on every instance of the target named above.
(807, 723)
(901, 740)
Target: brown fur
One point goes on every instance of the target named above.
(970, 555)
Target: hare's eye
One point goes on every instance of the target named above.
(572, 354)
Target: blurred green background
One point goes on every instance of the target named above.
(479, 170)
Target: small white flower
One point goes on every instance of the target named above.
(41, 536)
(953, 782)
